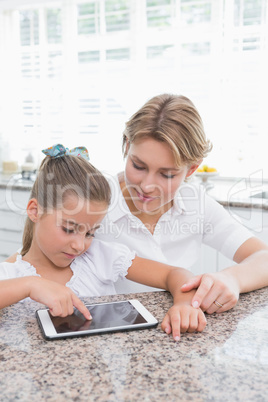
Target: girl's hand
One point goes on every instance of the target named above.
(58, 298)
(183, 318)
(217, 292)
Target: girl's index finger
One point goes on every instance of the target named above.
(81, 307)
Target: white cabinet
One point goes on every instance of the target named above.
(13, 204)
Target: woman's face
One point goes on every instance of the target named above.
(152, 176)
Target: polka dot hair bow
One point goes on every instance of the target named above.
(58, 150)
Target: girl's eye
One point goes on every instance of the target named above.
(137, 166)
(88, 235)
(67, 230)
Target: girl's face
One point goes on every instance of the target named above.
(63, 234)
(152, 176)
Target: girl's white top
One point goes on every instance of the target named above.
(194, 219)
(94, 272)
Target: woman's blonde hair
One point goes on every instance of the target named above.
(172, 119)
(60, 177)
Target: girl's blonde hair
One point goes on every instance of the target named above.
(172, 119)
(60, 177)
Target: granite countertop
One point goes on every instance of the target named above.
(227, 362)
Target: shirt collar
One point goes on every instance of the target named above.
(118, 206)
(178, 203)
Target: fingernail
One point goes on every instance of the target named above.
(195, 304)
(166, 330)
(90, 317)
(177, 338)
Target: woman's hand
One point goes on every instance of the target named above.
(182, 318)
(217, 292)
(58, 298)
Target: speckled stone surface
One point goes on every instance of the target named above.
(227, 362)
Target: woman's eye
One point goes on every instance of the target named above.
(66, 230)
(137, 166)
(168, 176)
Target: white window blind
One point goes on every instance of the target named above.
(74, 71)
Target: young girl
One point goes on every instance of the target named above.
(165, 219)
(59, 262)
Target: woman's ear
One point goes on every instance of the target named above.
(193, 168)
(32, 209)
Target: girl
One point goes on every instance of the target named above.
(155, 212)
(59, 262)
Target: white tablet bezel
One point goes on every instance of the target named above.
(50, 332)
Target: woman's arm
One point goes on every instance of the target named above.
(250, 273)
(181, 317)
(251, 270)
(59, 299)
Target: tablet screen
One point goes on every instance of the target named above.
(103, 316)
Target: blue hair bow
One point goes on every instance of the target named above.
(58, 150)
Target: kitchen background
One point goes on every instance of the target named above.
(74, 71)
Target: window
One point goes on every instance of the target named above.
(196, 12)
(159, 13)
(117, 15)
(75, 71)
(88, 21)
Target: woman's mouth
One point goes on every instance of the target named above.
(144, 198)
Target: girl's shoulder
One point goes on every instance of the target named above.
(105, 261)
(106, 250)
(16, 269)
(105, 255)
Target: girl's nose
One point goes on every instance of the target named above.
(78, 243)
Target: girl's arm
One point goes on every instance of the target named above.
(250, 273)
(181, 317)
(58, 298)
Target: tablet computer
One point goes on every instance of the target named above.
(106, 317)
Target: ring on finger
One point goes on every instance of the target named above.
(218, 304)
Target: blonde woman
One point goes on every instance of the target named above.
(162, 217)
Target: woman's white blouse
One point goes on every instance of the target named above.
(94, 272)
(194, 219)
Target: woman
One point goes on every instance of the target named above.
(162, 217)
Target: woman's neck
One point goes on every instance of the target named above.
(148, 219)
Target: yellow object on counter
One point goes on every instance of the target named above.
(206, 168)
(10, 167)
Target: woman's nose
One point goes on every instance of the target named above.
(148, 183)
